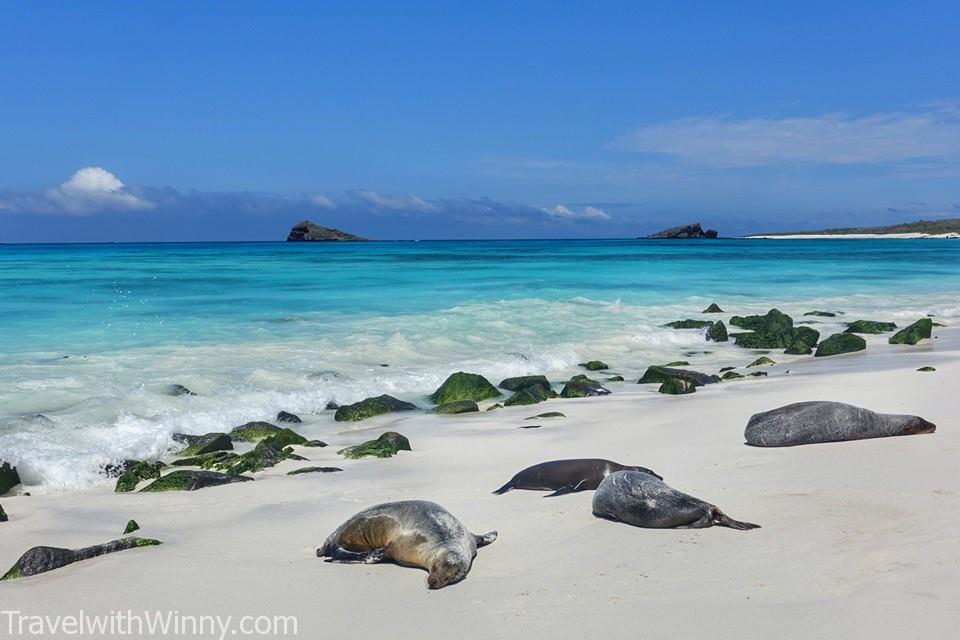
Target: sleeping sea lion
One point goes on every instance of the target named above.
(642, 500)
(566, 476)
(413, 533)
(820, 421)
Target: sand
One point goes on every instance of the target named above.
(857, 236)
(859, 540)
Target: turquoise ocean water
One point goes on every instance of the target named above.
(92, 335)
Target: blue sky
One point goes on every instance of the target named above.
(232, 120)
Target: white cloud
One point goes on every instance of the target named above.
(834, 138)
(393, 203)
(91, 190)
(323, 201)
(587, 213)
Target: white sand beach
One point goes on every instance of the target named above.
(856, 236)
(858, 539)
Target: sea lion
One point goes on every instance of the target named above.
(816, 422)
(413, 533)
(642, 500)
(566, 476)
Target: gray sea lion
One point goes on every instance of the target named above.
(816, 422)
(642, 500)
(413, 533)
(566, 476)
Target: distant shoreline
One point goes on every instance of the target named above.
(853, 236)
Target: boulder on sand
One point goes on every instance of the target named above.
(520, 382)
(460, 406)
(870, 326)
(717, 332)
(919, 330)
(371, 407)
(530, 395)
(840, 343)
(387, 445)
(464, 386)
(42, 559)
(580, 386)
(190, 480)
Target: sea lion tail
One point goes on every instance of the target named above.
(504, 488)
(721, 519)
(486, 538)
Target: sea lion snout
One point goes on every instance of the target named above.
(918, 425)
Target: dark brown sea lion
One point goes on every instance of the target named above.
(414, 533)
(566, 476)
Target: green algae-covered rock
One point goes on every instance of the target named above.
(190, 480)
(919, 330)
(677, 363)
(821, 314)
(515, 384)
(371, 407)
(206, 460)
(581, 386)
(135, 472)
(253, 431)
(713, 308)
(774, 330)
(594, 365)
(870, 326)
(9, 478)
(840, 343)
(718, 332)
(615, 379)
(387, 445)
(42, 559)
(530, 395)
(731, 375)
(689, 324)
(803, 342)
(722, 369)
(131, 527)
(464, 386)
(658, 374)
(758, 374)
(267, 453)
(207, 443)
(762, 361)
(494, 407)
(677, 386)
(461, 406)
(927, 369)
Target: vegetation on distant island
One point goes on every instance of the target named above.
(934, 227)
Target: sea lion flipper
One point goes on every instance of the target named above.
(339, 554)
(565, 489)
(723, 520)
(486, 538)
(505, 488)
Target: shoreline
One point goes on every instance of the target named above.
(855, 236)
(849, 529)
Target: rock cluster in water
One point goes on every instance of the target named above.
(307, 231)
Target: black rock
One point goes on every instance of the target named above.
(9, 478)
(285, 416)
(3, 514)
(307, 231)
(297, 472)
(521, 382)
(179, 390)
(42, 559)
(683, 232)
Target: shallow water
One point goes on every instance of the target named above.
(92, 335)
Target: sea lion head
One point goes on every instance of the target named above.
(646, 471)
(916, 424)
(450, 567)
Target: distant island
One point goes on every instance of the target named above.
(307, 231)
(922, 228)
(683, 232)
